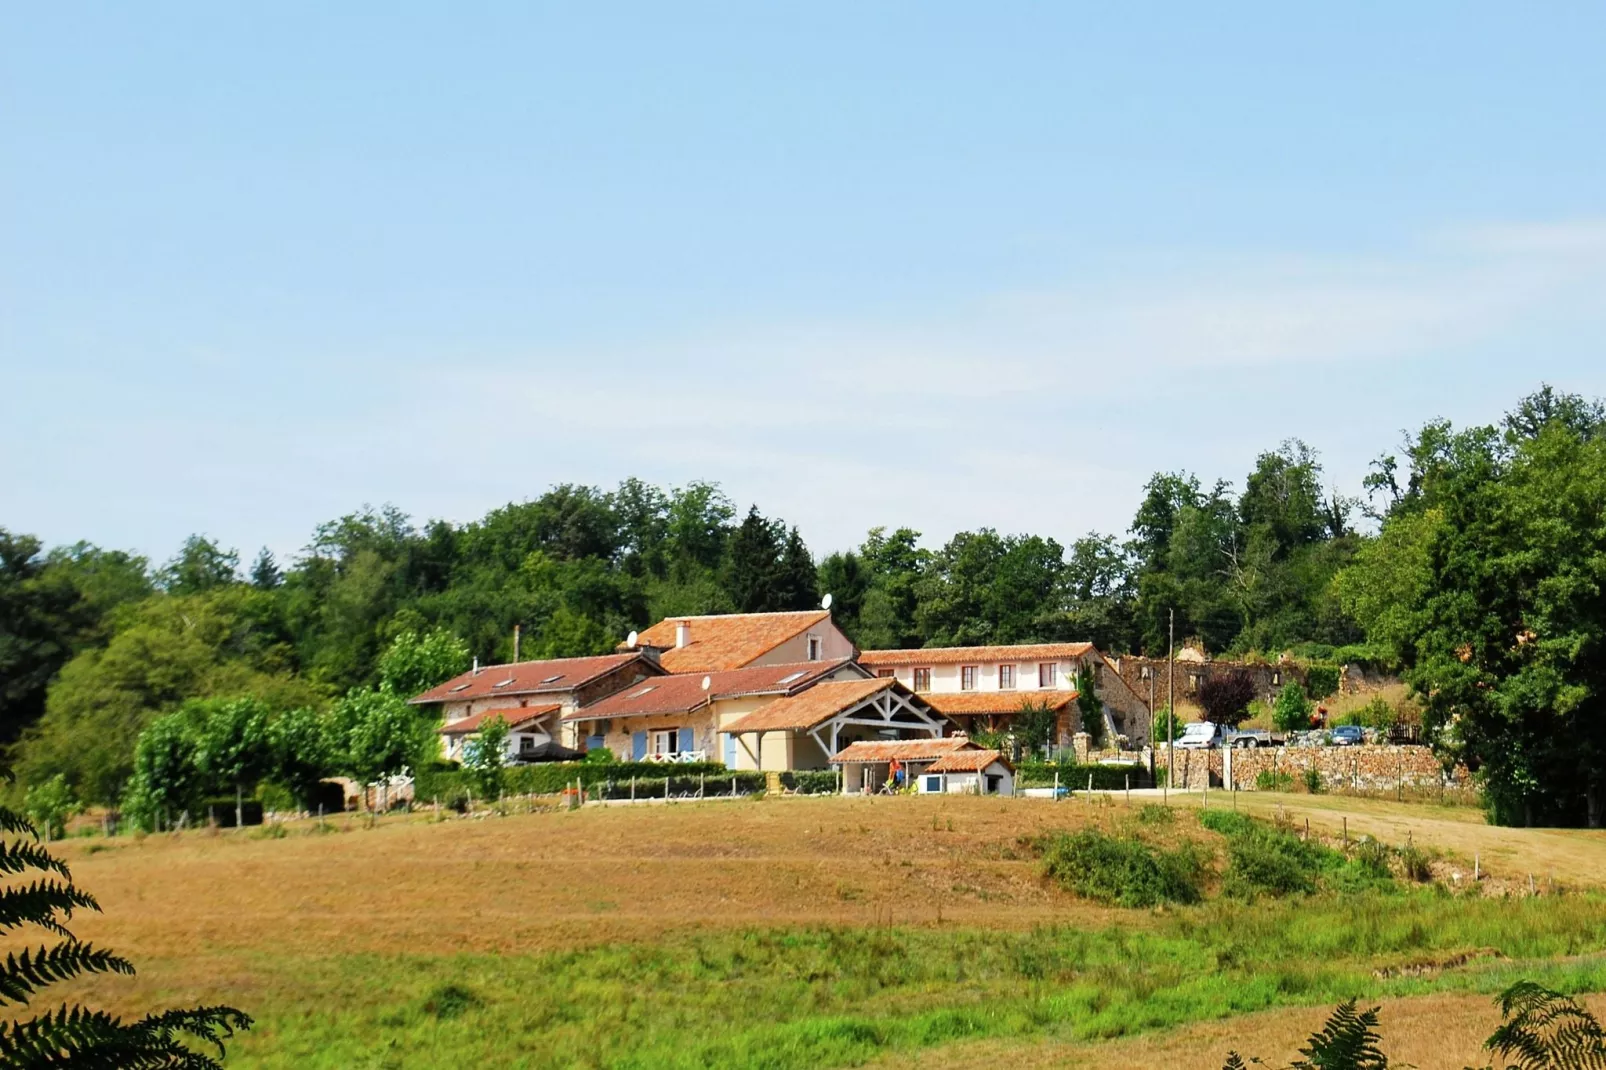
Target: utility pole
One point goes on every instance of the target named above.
(1152, 742)
(1171, 699)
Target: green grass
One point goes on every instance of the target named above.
(779, 999)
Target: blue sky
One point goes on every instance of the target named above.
(930, 264)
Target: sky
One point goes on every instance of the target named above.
(927, 264)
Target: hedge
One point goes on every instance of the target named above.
(706, 785)
(1075, 777)
(450, 784)
(810, 782)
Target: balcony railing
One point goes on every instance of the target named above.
(679, 757)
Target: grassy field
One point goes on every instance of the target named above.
(799, 933)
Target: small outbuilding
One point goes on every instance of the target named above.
(969, 772)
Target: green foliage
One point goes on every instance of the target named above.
(414, 663)
(1092, 710)
(74, 1036)
(302, 751)
(1033, 724)
(380, 736)
(1293, 709)
(50, 805)
(1322, 680)
(484, 755)
(1164, 719)
(1123, 870)
(1375, 714)
(1274, 780)
(166, 780)
(231, 741)
(1272, 861)
(1113, 776)
(451, 784)
(201, 566)
(1545, 1030)
(1313, 780)
(600, 756)
(810, 781)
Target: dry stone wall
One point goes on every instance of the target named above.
(1367, 767)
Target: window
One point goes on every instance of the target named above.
(1193, 681)
(460, 687)
(553, 679)
(922, 679)
(884, 673)
(503, 683)
(1276, 678)
(643, 691)
(934, 783)
(814, 648)
(1046, 674)
(1006, 678)
(666, 741)
(967, 677)
(1144, 672)
(789, 677)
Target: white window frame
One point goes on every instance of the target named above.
(1006, 678)
(967, 677)
(670, 735)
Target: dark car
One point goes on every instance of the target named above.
(1348, 735)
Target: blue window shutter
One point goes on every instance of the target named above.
(686, 742)
(730, 752)
(638, 746)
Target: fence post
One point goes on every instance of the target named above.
(702, 784)
(733, 785)
(632, 789)
(1056, 785)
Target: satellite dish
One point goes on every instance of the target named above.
(708, 681)
(825, 603)
(630, 640)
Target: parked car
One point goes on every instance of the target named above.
(1348, 735)
(1204, 735)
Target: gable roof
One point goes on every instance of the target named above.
(968, 761)
(996, 703)
(904, 750)
(515, 716)
(683, 692)
(813, 707)
(975, 655)
(531, 677)
(726, 641)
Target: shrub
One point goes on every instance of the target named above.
(1262, 860)
(1378, 714)
(1112, 777)
(810, 781)
(50, 805)
(1123, 870)
(1313, 780)
(1225, 696)
(1321, 680)
(1158, 728)
(600, 756)
(1155, 814)
(1274, 780)
(1293, 708)
(1415, 864)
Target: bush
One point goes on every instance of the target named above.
(1313, 780)
(1293, 708)
(1415, 864)
(50, 805)
(450, 784)
(1321, 680)
(1075, 777)
(600, 756)
(1274, 780)
(1265, 860)
(810, 782)
(679, 786)
(1123, 870)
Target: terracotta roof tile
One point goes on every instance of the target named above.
(815, 706)
(726, 641)
(996, 703)
(967, 761)
(683, 692)
(905, 750)
(513, 715)
(977, 655)
(530, 677)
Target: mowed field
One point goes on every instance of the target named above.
(801, 932)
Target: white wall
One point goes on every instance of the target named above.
(945, 678)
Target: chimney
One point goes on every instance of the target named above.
(476, 664)
(682, 634)
(515, 644)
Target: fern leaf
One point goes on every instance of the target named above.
(16, 824)
(1234, 1062)
(1348, 1041)
(23, 975)
(19, 855)
(39, 903)
(1545, 1030)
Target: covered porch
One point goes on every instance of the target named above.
(804, 731)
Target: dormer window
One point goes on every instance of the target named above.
(643, 691)
(503, 683)
(815, 647)
(461, 687)
(790, 677)
(553, 679)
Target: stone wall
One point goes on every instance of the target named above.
(1378, 768)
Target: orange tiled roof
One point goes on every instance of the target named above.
(967, 761)
(683, 692)
(997, 703)
(905, 750)
(726, 641)
(513, 715)
(530, 677)
(815, 706)
(975, 655)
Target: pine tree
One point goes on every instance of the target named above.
(265, 573)
(73, 1036)
(752, 564)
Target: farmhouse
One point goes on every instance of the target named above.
(531, 696)
(933, 766)
(738, 640)
(805, 730)
(684, 716)
(956, 678)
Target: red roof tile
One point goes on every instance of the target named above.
(513, 715)
(683, 692)
(531, 677)
(815, 706)
(975, 655)
(904, 750)
(996, 703)
(725, 641)
(967, 761)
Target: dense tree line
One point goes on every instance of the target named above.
(1481, 585)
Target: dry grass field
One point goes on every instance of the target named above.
(603, 936)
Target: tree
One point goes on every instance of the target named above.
(797, 578)
(200, 566)
(302, 753)
(1291, 713)
(50, 805)
(751, 570)
(1225, 695)
(414, 663)
(382, 736)
(1033, 724)
(75, 1036)
(484, 755)
(231, 744)
(1091, 709)
(166, 782)
(845, 578)
(265, 573)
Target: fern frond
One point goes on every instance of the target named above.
(1546, 1030)
(1234, 1062)
(19, 855)
(23, 975)
(39, 903)
(1347, 1042)
(16, 824)
(94, 1040)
